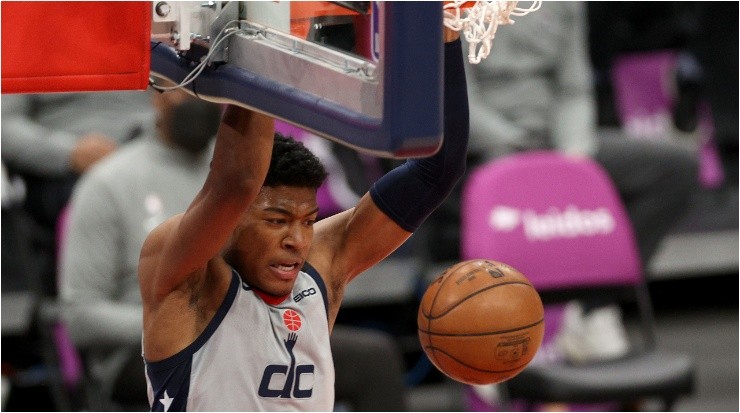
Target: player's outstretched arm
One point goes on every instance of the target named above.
(399, 202)
(182, 246)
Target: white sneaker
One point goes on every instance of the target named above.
(548, 353)
(488, 393)
(599, 335)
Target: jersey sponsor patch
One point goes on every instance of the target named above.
(303, 294)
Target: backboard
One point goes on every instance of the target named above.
(365, 74)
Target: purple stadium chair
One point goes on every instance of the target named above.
(559, 220)
(70, 362)
(645, 97)
(72, 389)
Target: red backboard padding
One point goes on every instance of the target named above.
(75, 46)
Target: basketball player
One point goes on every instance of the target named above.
(241, 291)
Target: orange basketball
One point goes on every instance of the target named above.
(481, 322)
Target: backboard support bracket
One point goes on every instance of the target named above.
(389, 108)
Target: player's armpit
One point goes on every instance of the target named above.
(349, 243)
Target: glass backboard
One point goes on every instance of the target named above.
(365, 74)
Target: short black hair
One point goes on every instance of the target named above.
(292, 164)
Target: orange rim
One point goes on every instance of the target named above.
(465, 5)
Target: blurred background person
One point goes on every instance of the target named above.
(113, 207)
(535, 91)
(704, 37)
(49, 140)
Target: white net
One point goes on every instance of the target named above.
(478, 21)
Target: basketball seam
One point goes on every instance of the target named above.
(436, 294)
(472, 367)
(488, 333)
(429, 322)
(429, 319)
(472, 295)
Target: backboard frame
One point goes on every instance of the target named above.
(407, 121)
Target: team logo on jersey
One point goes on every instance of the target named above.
(298, 379)
(292, 320)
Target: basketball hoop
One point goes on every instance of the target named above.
(478, 20)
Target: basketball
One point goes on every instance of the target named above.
(481, 322)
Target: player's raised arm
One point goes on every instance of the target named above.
(399, 202)
(180, 248)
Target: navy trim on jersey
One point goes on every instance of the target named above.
(310, 270)
(174, 371)
(188, 351)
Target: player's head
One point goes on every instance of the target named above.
(293, 164)
(272, 241)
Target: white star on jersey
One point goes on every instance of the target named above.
(166, 401)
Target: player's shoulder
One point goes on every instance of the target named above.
(151, 252)
(158, 236)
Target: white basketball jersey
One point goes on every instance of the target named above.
(253, 356)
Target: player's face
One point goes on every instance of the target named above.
(273, 240)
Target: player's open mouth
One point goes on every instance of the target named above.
(285, 267)
(286, 271)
